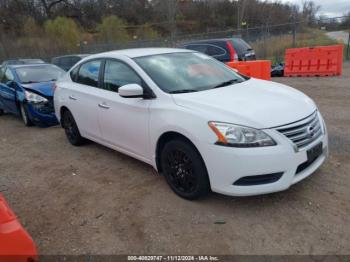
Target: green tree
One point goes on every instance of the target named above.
(113, 30)
(147, 32)
(31, 28)
(64, 31)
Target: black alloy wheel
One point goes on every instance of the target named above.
(184, 170)
(71, 129)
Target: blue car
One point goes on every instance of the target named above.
(27, 91)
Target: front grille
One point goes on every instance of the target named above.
(45, 108)
(303, 132)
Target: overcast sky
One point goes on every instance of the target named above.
(329, 7)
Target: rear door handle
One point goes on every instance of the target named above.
(104, 106)
(72, 98)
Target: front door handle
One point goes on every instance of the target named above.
(72, 98)
(104, 106)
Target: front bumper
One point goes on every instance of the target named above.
(39, 118)
(226, 165)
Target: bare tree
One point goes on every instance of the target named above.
(48, 5)
(309, 11)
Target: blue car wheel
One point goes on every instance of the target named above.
(24, 114)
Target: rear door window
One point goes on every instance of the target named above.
(89, 73)
(203, 48)
(215, 51)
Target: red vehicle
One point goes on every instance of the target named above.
(16, 245)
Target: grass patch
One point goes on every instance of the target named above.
(273, 48)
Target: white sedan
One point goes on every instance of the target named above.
(195, 120)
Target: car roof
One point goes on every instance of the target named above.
(214, 40)
(29, 65)
(20, 61)
(74, 55)
(29, 59)
(139, 52)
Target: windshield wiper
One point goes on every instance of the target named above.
(227, 83)
(181, 91)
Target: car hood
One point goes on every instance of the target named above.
(45, 88)
(253, 103)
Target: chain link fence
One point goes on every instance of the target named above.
(268, 41)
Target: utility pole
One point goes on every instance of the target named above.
(294, 31)
(238, 19)
(347, 49)
(172, 11)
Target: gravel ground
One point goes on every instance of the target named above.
(92, 200)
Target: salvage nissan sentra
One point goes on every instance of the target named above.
(195, 120)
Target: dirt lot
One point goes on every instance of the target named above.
(97, 201)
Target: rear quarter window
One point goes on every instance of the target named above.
(74, 73)
(89, 73)
(240, 46)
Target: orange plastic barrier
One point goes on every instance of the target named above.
(314, 61)
(15, 243)
(258, 69)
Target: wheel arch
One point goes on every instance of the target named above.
(166, 137)
(19, 98)
(63, 109)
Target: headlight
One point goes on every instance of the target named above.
(239, 136)
(34, 98)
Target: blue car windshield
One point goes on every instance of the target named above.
(38, 74)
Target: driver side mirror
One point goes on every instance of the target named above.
(131, 91)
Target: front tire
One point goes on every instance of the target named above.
(71, 129)
(24, 115)
(184, 170)
(1, 112)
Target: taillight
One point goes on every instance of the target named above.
(233, 55)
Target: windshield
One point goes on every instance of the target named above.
(37, 74)
(187, 72)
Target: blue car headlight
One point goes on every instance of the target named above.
(34, 98)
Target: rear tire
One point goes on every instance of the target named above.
(1, 112)
(71, 129)
(24, 115)
(184, 169)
